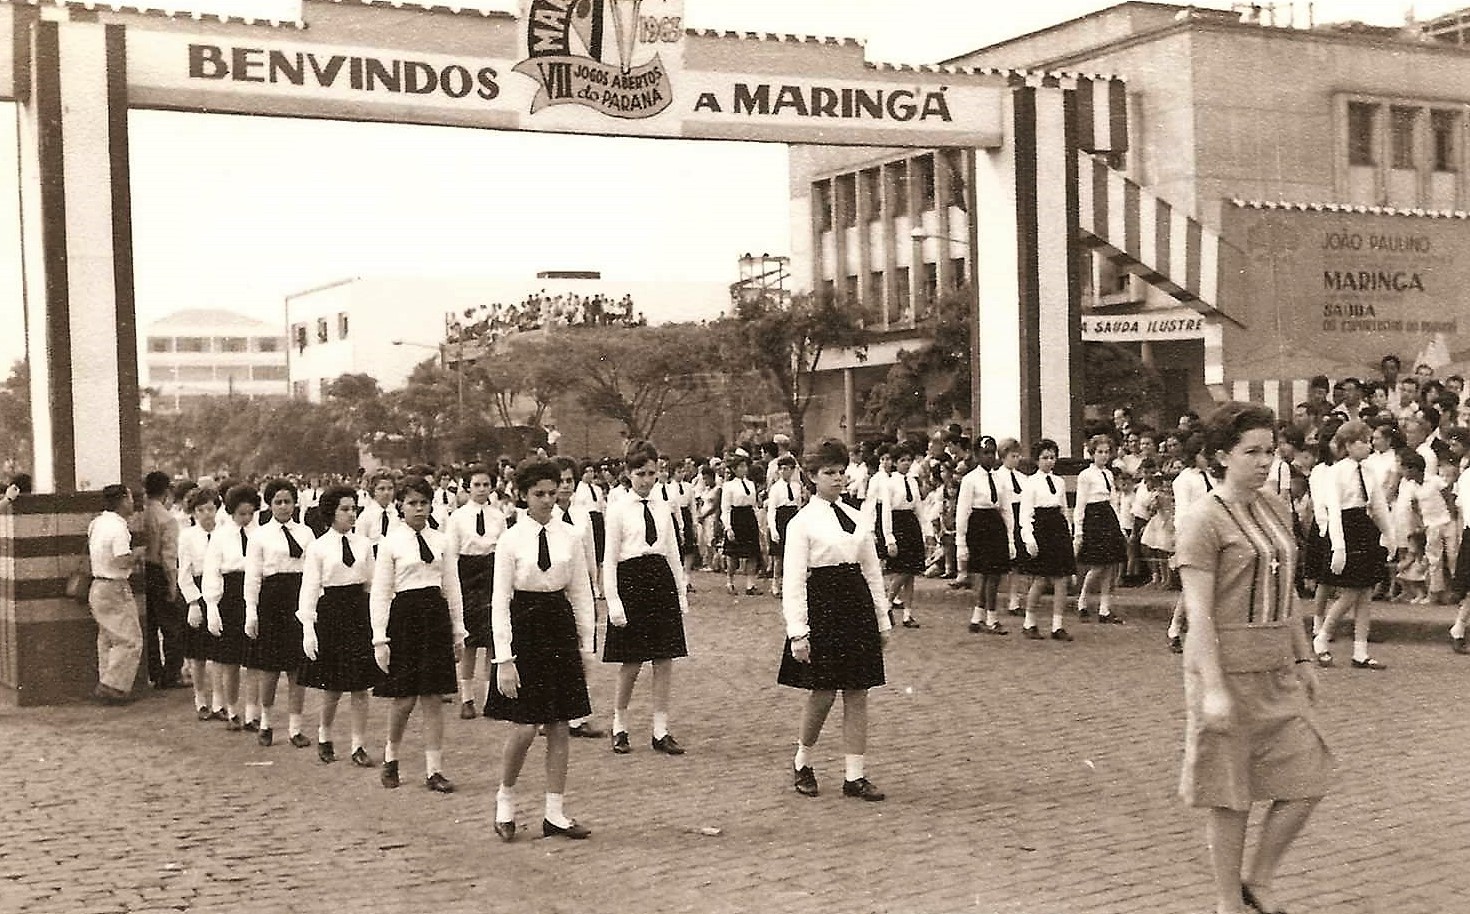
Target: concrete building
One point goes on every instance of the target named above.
(212, 353)
(1222, 107)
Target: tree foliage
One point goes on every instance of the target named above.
(1113, 376)
(15, 417)
(236, 436)
(636, 376)
(930, 384)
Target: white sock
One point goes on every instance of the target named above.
(975, 615)
(1175, 629)
(1319, 642)
(219, 699)
(1360, 650)
(1030, 620)
(433, 761)
(252, 712)
(356, 740)
(467, 690)
(323, 734)
(1015, 602)
(803, 756)
(906, 614)
(619, 726)
(854, 764)
(1104, 607)
(265, 718)
(990, 620)
(578, 722)
(293, 724)
(660, 724)
(1057, 621)
(505, 804)
(390, 751)
(1457, 630)
(554, 815)
(200, 700)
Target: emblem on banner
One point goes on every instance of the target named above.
(568, 46)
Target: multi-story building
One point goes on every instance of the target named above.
(212, 353)
(1222, 106)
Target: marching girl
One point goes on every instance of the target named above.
(646, 599)
(738, 499)
(680, 496)
(905, 534)
(836, 623)
(1048, 540)
(336, 631)
(1101, 546)
(378, 514)
(582, 726)
(473, 532)
(1010, 474)
(418, 630)
(1357, 520)
(588, 499)
(1316, 559)
(1192, 484)
(203, 506)
(543, 622)
(783, 500)
(272, 593)
(985, 542)
(223, 588)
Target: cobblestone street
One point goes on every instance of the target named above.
(1021, 776)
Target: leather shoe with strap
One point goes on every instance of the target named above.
(1368, 663)
(389, 775)
(300, 740)
(360, 758)
(438, 783)
(506, 830)
(467, 710)
(862, 789)
(587, 730)
(1458, 645)
(326, 752)
(805, 782)
(667, 745)
(571, 830)
(620, 743)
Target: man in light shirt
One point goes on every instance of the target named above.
(119, 633)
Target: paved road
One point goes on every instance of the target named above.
(1022, 777)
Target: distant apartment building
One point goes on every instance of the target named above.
(199, 353)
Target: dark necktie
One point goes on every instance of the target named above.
(847, 523)
(480, 522)
(650, 529)
(1051, 485)
(1015, 482)
(433, 524)
(426, 555)
(1362, 483)
(1209, 486)
(385, 522)
(244, 542)
(790, 495)
(543, 552)
(908, 494)
(744, 487)
(666, 491)
(348, 558)
(1107, 483)
(293, 548)
(994, 493)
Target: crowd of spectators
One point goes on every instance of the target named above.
(493, 322)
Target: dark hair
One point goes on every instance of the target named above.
(786, 460)
(182, 488)
(477, 469)
(332, 499)
(204, 495)
(1430, 415)
(531, 471)
(23, 482)
(1319, 382)
(235, 496)
(1225, 427)
(1294, 436)
(830, 453)
(1391, 358)
(1045, 444)
(1411, 460)
(640, 453)
(276, 486)
(564, 464)
(1352, 431)
(113, 495)
(155, 484)
(416, 484)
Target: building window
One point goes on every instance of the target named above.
(924, 177)
(342, 325)
(954, 169)
(847, 199)
(1402, 138)
(827, 293)
(268, 373)
(903, 311)
(1361, 118)
(873, 189)
(958, 273)
(321, 330)
(298, 337)
(822, 205)
(299, 389)
(931, 282)
(1446, 128)
(160, 344)
(233, 344)
(267, 344)
(898, 186)
(194, 373)
(191, 344)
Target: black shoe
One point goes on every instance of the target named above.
(300, 740)
(467, 710)
(438, 783)
(1083, 613)
(1369, 664)
(1032, 632)
(911, 623)
(1176, 644)
(1014, 612)
(109, 696)
(389, 775)
(1458, 645)
(995, 628)
(233, 725)
(265, 737)
(1109, 619)
(221, 714)
(975, 628)
(252, 725)
(620, 743)
(749, 592)
(862, 789)
(506, 830)
(204, 714)
(325, 752)
(806, 782)
(360, 758)
(1061, 634)
(667, 745)
(587, 731)
(574, 831)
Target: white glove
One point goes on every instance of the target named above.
(216, 622)
(309, 645)
(1339, 560)
(381, 655)
(252, 623)
(196, 615)
(616, 615)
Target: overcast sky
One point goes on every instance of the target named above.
(237, 212)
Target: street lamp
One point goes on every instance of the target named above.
(973, 282)
(458, 376)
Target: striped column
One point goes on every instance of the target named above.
(1030, 271)
(77, 254)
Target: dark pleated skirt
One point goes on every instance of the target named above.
(1366, 557)
(276, 647)
(229, 647)
(985, 535)
(910, 538)
(783, 517)
(198, 642)
(688, 540)
(476, 581)
(420, 646)
(846, 649)
(1022, 554)
(599, 534)
(1102, 538)
(745, 543)
(544, 642)
(655, 629)
(1315, 555)
(344, 637)
(1054, 546)
(1462, 567)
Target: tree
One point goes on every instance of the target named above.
(1113, 376)
(783, 340)
(526, 365)
(424, 410)
(931, 384)
(358, 404)
(15, 416)
(637, 375)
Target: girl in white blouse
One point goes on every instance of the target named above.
(738, 500)
(646, 599)
(588, 499)
(1048, 540)
(680, 497)
(783, 500)
(378, 515)
(474, 529)
(203, 506)
(336, 628)
(1192, 484)
(272, 592)
(905, 534)
(543, 622)
(1009, 474)
(985, 535)
(418, 630)
(223, 588)
(837, 623)
(1101, 547)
